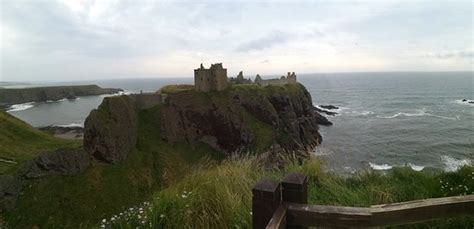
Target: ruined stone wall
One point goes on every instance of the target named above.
(289, 79)
(147, 100)
(202, 80)
(220, 79)
(206, 80)
(272, 82)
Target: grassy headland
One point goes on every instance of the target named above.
(20, 142)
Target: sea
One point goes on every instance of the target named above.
(384, 120)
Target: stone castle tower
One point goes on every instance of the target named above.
(212, 79)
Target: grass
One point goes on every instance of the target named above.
(264, 134)
(20, 142)
(217, 195)
(104, 189)
(169, 89)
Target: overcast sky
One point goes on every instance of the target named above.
(87, 39)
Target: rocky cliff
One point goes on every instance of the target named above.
(240, 118)
(42, 94)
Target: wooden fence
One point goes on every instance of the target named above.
(284, 205)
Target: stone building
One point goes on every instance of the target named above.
(240, 79)
(289, 79)
(212, 79)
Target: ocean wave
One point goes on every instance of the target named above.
(117, 94)
(416, 167)
(20, 107)
(380, 167)
(418, 113)
(362, 113)
(338, 110)
(421, 112)
(71, 125)
(466, 103)
(388, 167)
(453, 164)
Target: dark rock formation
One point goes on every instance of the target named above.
(111, 130)
(329, 107)
(192, 120)
(43, 94)
(321, 120)
(59, 162)
(464, 100)
(64, 162)
(325, 111)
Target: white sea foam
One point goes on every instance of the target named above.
(388, 167)
(417, 113)
(444, 117)
(459, 101)
(338, 110)
(20, 107)
(380, 167)
(416, 167)
(453, 164)
(117, 94)
(362, 113)
(71, 125)
(421, 112)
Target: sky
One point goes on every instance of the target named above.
(45, 40)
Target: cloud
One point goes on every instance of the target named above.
(468, 54)
(271, 39)
(90, 39)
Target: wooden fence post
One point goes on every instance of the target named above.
(266, 197)
(295, 190)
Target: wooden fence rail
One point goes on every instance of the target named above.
(284, 205)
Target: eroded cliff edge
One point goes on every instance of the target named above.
(241, 118)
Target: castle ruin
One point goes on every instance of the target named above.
(212, 79)
(289, 79)
(215, 79)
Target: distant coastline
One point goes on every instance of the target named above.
(11, 96)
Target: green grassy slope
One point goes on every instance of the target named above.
(104, 189)
(20, 142)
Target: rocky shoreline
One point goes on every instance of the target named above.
(65, 132)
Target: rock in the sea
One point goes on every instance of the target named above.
(110, 131)
(71, 96)
(464, 100)
(329, 107)
(325, 111)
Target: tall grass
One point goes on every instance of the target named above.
(218, 195)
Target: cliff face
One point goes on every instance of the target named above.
(42, 94)
(111, 130)
(245, 117)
